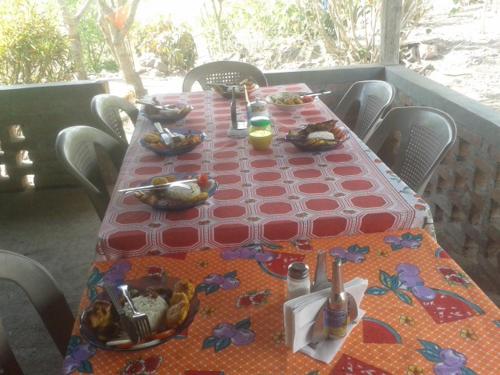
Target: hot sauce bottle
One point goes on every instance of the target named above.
(336, 312)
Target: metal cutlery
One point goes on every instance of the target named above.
(125, 322)
(139, 319)
(166, 135)
(161, 186)
(319, 93)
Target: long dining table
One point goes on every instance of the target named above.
(424, 315)
(282, 194)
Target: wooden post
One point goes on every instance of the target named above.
(390, 31)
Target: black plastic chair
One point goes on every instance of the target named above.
(363, 104)
(425, 136)
(46, 297)
(107, 108)
(84, 152)
(228, 72)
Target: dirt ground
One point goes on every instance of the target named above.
(461, 50)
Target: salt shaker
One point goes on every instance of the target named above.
(298, 282)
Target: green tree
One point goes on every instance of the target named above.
(32, 48)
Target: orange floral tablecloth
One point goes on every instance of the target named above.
(424, 314)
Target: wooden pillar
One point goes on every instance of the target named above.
(390, 31)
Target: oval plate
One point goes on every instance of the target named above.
(167, 115)
(140, 284)
(177, 150)
(170, 205)
(301, 142)
(269, 100)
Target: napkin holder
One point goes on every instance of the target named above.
(301, 315)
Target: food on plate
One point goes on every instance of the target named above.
(177, 313)
(239, 88)
(100, 319)
(323, 134)
(162, 180)
(154, 307)
(185, 287)
(320, 136)
(286, 98)
(182, 195)
(155, 142)
(178, 297)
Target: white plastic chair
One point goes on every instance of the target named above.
(77, 148)
(363, 104)
(46, 297)
(426, 136)
(228, 72)
(107, 108)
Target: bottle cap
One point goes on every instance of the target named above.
(260, 121)
(298, 270)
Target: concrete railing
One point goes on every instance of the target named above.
(464, 194)
(31, 116)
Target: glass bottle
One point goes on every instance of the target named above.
(260, 133)
(298, 282)
(335, 312)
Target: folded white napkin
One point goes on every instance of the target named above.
(300, 315)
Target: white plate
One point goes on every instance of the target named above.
(286, 94)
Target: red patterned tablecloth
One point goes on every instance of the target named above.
(279, 195)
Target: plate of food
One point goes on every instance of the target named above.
(321, 136)
(169, 303)
(290, 100)
(186, 141)
(177, 192)
(225, 89)
(164, 113)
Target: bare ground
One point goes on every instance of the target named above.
(461, 50)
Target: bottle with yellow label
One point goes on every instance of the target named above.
(260, 133)
(335, 314)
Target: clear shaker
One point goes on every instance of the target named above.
(298, 282)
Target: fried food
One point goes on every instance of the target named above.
(100, 319)
(152, 138)
(177, 314)
(320, 135)
(155, 142)
(162, 180)
(178, 297)
(186, 287)
(187, 195)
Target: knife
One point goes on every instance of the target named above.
(160, 186)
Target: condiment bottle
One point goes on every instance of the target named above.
(335, 312)
(257, 108)
(298, 282)
(260, 133)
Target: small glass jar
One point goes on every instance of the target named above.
(298, 282)
(260, 133)
(257, 108)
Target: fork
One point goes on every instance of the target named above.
(125, 322)
(139, 319)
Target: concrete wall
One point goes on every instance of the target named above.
(465, 192)
(31, 116)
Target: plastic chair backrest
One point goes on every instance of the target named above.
(81, 150)
(227, 72)
(426, 135)
(363, 104)
(46, 297)
(107, 109)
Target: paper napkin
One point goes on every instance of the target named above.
(300, 315)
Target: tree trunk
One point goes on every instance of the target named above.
(74, 37)
(127, 67)
(115, 36)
